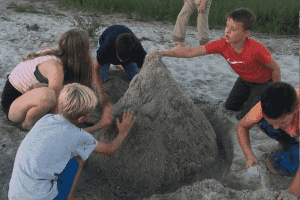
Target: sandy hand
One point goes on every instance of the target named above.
(153, 54)
(286, 195)
(201, 8)
(125, 126)
(250, 161)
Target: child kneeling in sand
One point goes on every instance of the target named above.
(248, 58)
(277, 115)
(50, 158)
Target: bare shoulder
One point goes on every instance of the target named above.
(50, 66)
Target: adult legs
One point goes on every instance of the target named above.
(32, 106)
(202, 24)
(182, 21)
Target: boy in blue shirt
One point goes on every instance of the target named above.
(277, 115)
(119, 46)
(50, 158)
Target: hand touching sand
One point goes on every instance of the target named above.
(127, 123)
(153, 54)
(251, 160)
(287, 195)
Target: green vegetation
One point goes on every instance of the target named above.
(29, 9)
(272, 16)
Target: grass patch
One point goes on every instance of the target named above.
(272, 16)
(29, 9)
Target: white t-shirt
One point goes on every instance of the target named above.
(44, 153)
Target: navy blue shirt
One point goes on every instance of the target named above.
(107, 51)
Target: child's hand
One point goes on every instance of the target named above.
(153, 53)
(107, 117)
(286, 195)
(201, 8)
(127, 123)
(251, 160)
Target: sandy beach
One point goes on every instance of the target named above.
(207, 80)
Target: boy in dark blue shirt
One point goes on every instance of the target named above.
(119, 46)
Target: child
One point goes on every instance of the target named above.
(45, 164)
(277, 115)
(32, 88)
(248, 58)
(202, 21)
(119, 46)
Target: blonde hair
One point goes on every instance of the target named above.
(74, 53)
(76, 100)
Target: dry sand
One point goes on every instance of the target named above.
(17, 41)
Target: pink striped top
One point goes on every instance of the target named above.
(22, 77)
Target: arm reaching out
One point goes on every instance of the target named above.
(184, 52)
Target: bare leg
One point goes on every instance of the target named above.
(71, 194)
(32, 106)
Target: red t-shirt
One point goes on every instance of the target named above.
(249, 64)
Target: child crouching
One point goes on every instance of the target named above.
(50, 158)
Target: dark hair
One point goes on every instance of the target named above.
(74, 53)
(277, 99)
(244, 15)
(126, 45)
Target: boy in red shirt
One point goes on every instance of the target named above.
(277, 115)
(248, 58)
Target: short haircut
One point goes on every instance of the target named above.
(277, 99)
(126, 45)
(243, 15)
(76, 100)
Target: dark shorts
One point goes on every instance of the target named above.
(9, 95)
(242, 92)
(286, 160)
(66, 178)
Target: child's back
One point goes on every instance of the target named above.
(44, 152)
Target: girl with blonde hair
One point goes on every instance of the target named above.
(32, 88)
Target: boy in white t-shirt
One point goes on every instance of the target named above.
(50, 158)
